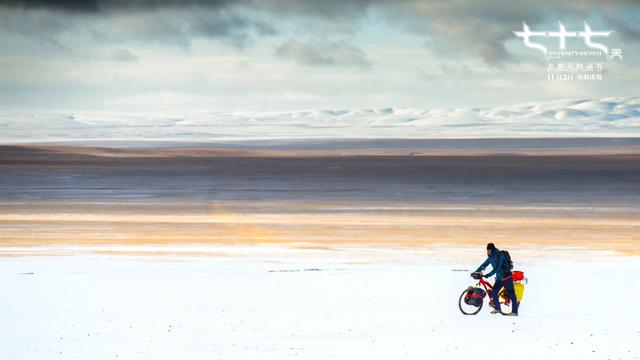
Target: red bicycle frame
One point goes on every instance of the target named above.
(488, 288)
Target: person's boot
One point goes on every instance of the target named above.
(511, 314)
(494, 311)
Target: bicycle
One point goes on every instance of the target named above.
(472, 298)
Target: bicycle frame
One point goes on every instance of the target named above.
(488, 288)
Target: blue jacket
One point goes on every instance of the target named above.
(495, 259)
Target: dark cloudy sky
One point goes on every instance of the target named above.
(224, 55)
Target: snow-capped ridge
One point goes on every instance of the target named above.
(559, 118)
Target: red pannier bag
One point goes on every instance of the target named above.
(518, 276)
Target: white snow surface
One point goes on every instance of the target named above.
(562, 118)
(313, 306)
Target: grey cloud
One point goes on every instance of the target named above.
(111, 5)
(470, 37)
(471, 27)
(344, 9)
(122, 55)
(629, 28)
(322, 53)
(304, 7)
(233, 25)
(476, 28)
(481, 28)
(177, 27)
(180, 28)
(451, 70)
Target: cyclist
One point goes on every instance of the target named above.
(503, 279)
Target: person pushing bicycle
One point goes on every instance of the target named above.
(501, 267)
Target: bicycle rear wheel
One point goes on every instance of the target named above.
(468, 309)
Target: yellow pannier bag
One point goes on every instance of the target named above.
(519, 290)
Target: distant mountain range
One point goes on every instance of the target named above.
(607, 117)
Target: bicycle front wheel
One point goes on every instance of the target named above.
(468, 309)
